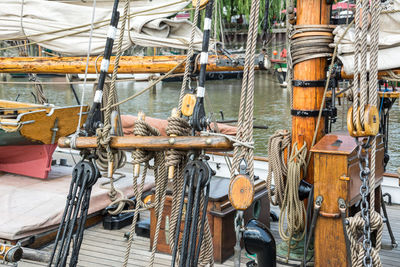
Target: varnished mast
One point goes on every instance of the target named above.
(309, 12)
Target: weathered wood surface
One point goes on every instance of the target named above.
(44, 122)
(106, 248)
(127, 64)
(213, 143)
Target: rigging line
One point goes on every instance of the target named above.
(87, 66)
(89, 24)
(189, 56)
(147, 88)
(77, 82)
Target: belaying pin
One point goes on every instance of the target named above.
(136, 170)
(171, 169)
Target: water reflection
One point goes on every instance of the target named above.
(272, 106)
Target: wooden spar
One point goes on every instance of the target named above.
(127, 64)
(209, 143)
(381, 74)
(309, 12)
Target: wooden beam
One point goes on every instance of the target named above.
(155, 143)
(381, 74)
(127, 64)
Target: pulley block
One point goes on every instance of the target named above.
(371, 122)
(202, 3)
(188, 103)
(241, 192)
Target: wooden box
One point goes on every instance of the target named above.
(220, 216)
(337, 175)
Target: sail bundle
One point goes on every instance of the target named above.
(57, 25)
(389, 40)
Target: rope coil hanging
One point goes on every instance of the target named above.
(309, 42)
(277, 168)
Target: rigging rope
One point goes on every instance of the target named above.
(365, 92)
(104, 134)
(245, 118)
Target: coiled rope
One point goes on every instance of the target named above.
(292, 207)
(277, 167)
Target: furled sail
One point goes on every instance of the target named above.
(389, 40)
(64, 26)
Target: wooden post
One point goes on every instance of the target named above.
(309, 12)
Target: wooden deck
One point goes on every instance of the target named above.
(106, 248)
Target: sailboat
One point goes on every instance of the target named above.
(29, 135)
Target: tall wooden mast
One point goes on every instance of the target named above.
(309, 12)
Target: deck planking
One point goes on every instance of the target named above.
(102, 247)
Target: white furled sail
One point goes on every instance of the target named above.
(65, 26)
(389, 40)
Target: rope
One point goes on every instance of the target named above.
(86, 73)
(355, 232)
(292, 207)
(277, 168)
(368, 95)
(304, 48)
(189, 56)
(104, 133)
(148, 87)
(39, 94)
(235, 141)
(142, 128)
(245, 118)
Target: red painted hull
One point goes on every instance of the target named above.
(29, 160)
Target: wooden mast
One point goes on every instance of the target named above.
(127, 64)
(309, 12)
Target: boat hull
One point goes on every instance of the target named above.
(29, 160)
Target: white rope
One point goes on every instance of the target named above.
(87, 67)
(235, 141)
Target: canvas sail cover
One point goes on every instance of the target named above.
(389, 40)
(49, 24)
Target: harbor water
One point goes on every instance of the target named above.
(272, 104)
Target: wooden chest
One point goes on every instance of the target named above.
(337, 175)
(220, 216)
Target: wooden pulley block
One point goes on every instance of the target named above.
(188, 103)
(241, 192)
(371, 122)
(202, 3)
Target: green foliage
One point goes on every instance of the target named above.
(238, 7)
